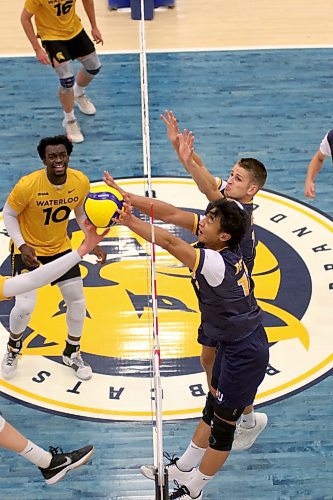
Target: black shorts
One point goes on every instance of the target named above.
(204, 340)
(18, 266)
(67, 50)
(239, 369)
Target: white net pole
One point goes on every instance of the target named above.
(158, 421)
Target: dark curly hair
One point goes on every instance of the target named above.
(54, 141)
(233, 219)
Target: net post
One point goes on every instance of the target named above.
(162, 493)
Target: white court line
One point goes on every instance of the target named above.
(194, 49)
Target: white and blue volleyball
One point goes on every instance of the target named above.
(101, 207)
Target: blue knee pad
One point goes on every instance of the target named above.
(67, 83)
(66, 76)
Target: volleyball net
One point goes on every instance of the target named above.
(161, 480)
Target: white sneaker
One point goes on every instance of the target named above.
(85, 105)
(73, 131)
(174, 473)
(9, 363)
(81, 368)
(182, 493)
(244, 438)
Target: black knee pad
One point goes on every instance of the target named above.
(93, 72)
(227, 413)
(222, 435)
(208, 411)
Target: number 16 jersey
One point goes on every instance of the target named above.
(55, 19)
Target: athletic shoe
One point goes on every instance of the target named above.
(9, 363)
(182, 493)
(244, 438)
(73, 131)
(85, 105)
(174, 473)
(63, 462)
(81, 368)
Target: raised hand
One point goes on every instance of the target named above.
(91, 240)
(186, 147)
(125, 215)
(109, 180)
(172, 126)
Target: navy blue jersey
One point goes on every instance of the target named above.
(247, 244)
(330, 141)
(229, 311)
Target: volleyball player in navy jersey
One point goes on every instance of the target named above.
(247, 176)
(231, 316)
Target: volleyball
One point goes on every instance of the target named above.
(101, 207)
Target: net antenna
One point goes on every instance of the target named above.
(161, 478)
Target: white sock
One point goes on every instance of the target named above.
(248, 421)
(191, 457)
(36, 455)
(78, 90)
(197, 483)
(69, 117)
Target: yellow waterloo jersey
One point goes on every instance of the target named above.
(55, 19)
(2, 280)
(44, 210)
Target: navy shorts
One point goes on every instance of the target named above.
(67, 50)
(204, 340)
(240, 368)
(18, 266)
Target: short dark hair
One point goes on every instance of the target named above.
(234, 220)
(54, 141)
(256, 169)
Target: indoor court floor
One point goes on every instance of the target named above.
(249, 80)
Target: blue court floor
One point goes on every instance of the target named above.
(270, 104)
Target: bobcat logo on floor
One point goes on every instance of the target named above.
(293, 277)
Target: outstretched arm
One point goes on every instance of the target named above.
(173, 132)
(162, 211)
(193, 164)
(177, 247)
(205, 181)
(81, 220)
(49, 272)
(314, 168)
(172, 128)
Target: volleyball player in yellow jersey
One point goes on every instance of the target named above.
(53, 464)
(36, 217)
(63, 40)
